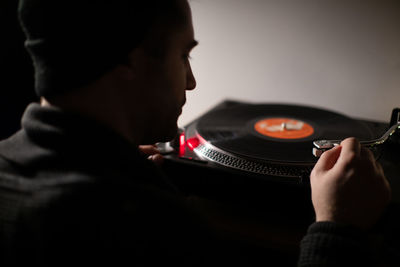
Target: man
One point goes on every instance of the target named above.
(75, 188)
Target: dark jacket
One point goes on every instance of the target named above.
(74, 192)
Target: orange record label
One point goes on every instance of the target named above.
(283, 128)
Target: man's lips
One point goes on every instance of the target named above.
(184, 102)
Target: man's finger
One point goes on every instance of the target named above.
(149, 149)
(379, 167)
(367, 155)
(328, 160)
(351, 150)
(158, 159)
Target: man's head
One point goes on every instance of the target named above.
(73, 42)
(143, 44)
(159, 73)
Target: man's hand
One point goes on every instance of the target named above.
(153, 153)
(348, 186)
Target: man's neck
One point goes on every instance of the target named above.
(96, 103)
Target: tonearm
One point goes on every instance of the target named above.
(320, 146)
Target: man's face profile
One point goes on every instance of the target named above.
(163, 81)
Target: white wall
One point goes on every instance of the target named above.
(343, 55)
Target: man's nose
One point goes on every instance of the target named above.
(190, 80)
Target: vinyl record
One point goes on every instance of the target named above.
(278, 133)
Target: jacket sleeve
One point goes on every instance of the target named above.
(332, 244)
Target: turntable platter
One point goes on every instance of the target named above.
(276, 133)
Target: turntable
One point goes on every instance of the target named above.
(258, 157)
(256, 160)
(270, 140)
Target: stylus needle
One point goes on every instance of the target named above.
(320, 146)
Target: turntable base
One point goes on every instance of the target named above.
(269, 142)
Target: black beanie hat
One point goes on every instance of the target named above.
(74, 42)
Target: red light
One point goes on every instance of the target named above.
(182, 144)
(182, 139)
(193, 143)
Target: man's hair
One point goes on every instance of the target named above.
(74, 42)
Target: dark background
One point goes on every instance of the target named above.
(16, 70)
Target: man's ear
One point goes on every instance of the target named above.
(129, 70)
